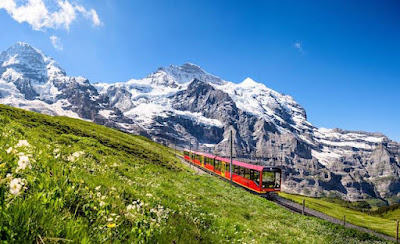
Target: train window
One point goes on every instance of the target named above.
(277, 179)
(257, 177)
(268, 180)
(236, 169)
(247, 173)
(217, 165)
(227, 167)
(241, 173)
(252, 174)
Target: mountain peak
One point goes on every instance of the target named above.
(23, 47)
(249, 82)
(25, 59)
(22, 44)
(188, 68)
(185, 73)
(191, 67)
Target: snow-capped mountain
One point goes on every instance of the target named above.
(182, 103)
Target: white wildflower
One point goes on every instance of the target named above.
(22, 143)
(148, 195)
(15, 186)
(9, 150)
(97, 188)
(102, 203)
(129, 207)
(75, 156)
(23, 162)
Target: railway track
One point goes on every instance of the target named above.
(298, 208)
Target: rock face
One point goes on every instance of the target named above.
(176, 104)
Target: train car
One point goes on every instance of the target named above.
(256, 178)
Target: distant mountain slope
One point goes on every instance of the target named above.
(182, 103)
(68, 180)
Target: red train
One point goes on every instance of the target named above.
(256, 178)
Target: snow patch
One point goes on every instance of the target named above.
(326, 157)
(106, 113)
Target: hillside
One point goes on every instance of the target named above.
(64, 179)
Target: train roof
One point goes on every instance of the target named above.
(235, 162)
(205, 154)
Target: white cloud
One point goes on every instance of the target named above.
(299, 47)
(37, 14)
(56, 41)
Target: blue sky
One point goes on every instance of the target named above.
(339, 59)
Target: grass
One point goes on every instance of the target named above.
(392, 215)
(67, 180)
(377, 223)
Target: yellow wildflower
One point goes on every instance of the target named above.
(111, 225)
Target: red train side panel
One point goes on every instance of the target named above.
(257, 184)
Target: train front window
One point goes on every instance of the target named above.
(268, 179)
(271, 179)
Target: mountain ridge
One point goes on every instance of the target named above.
(178, 103)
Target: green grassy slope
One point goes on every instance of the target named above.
(392, 215)
(64, 180)
(378, 223)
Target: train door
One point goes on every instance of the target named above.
(202, 161)
(223, 169)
